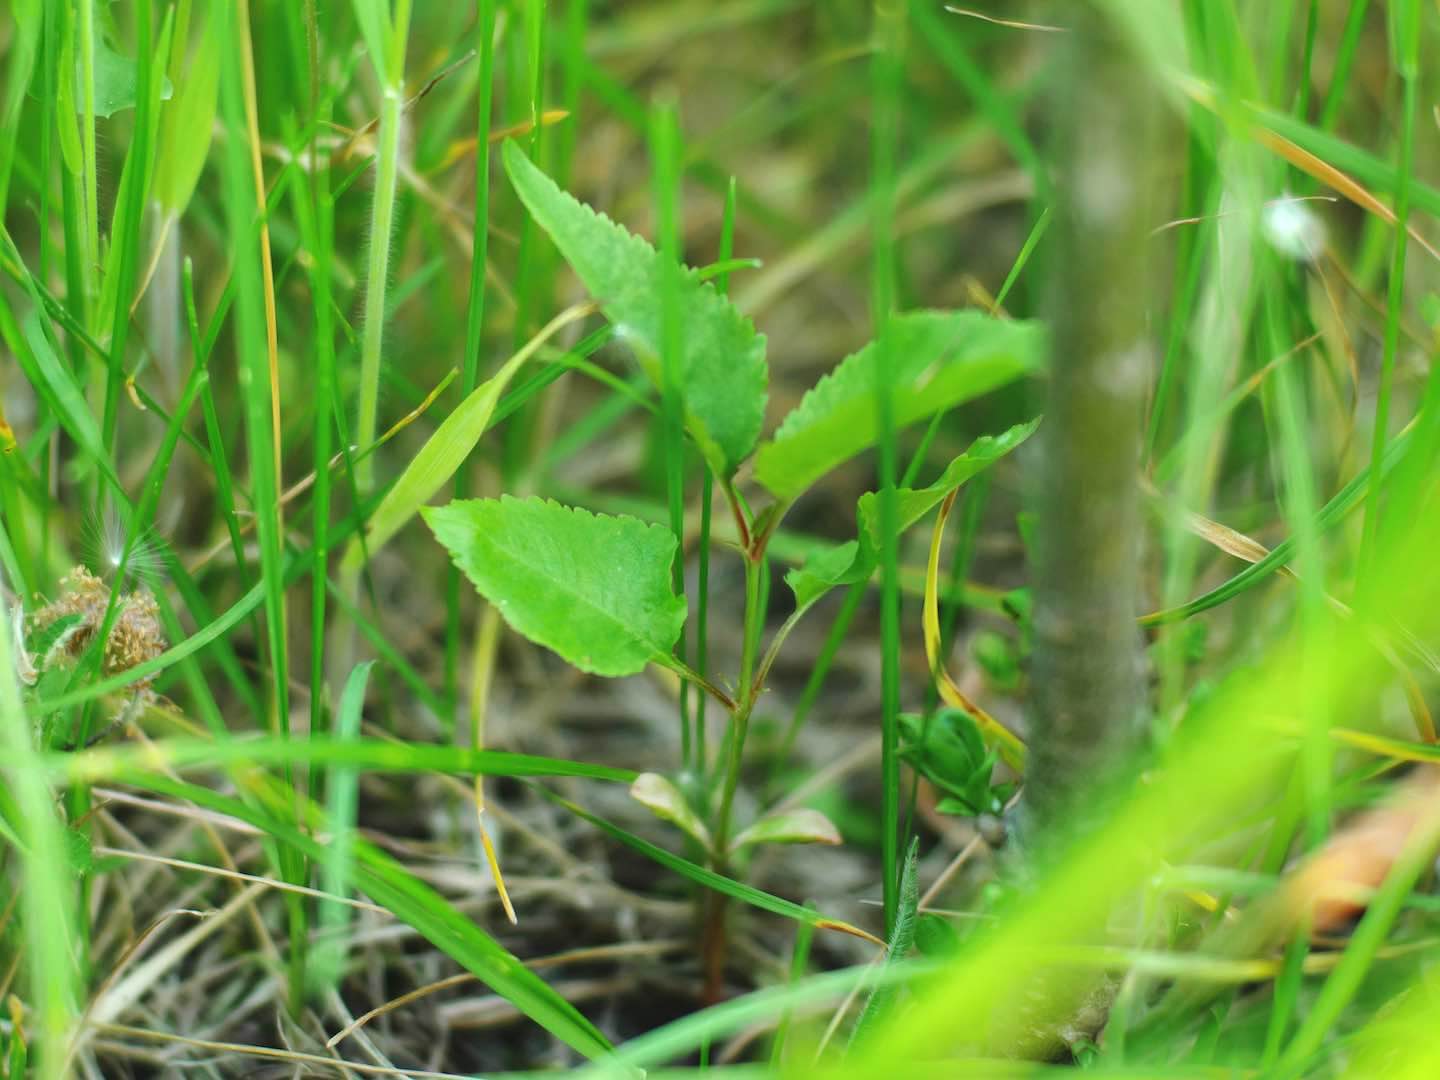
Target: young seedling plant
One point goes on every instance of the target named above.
(600, 590)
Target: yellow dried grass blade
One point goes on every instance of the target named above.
(463, 148)
(1250, 550)
(490, 858)
(1310, 164)
(1011, 749)
(487, 640)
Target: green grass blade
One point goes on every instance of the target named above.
(412, 901)
(1330, 515)
(188, 121)
(48, 894)
(1344, 63)
(341, 804)
(1405, 36)
(475, 308)
(666, 152)
(446, 450)
(27, 21)
(127, 762)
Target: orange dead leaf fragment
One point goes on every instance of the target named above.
(1334, 883)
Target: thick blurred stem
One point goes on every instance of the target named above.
(1087, 675)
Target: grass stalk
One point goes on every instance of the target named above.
(318, 220)
(1407, 56)
(886, 75)
(665, 153)
(256, 389)
(713, 944)
(129, 210)
(525, 101)
(474, 308)
(1344, 63)
(267, 272)
(387, 54)
(85, 31)
(707, 504)
(47, 896)
(377, 273)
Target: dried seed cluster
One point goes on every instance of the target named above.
(135, 635)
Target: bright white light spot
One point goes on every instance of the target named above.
(1293, 229)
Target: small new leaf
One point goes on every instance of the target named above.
(722, 368)
(667, 802)
(855, 560)
(802, 826)
(116, 81)
(79, 852)
(937, 359)
(596, 589)
(948, 750)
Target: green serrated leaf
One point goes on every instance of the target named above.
(802, 826)
(187, 125)
(722, 367)
(79, 852)
(855, 560)
(939, 359)
(666, 801)
(844, 564)
(116, 81)
(911, 504)
(596, 589)
(27, 19)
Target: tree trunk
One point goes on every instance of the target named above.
(1087, 680)
(1087, 687)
